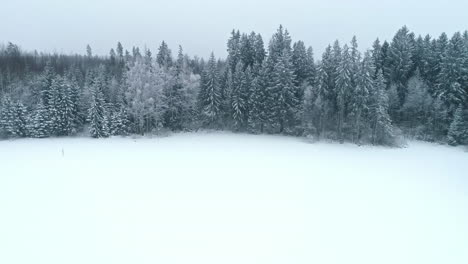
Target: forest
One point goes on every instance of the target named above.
(411, 86)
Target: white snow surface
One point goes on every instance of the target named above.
(222, 198)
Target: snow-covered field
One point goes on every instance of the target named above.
(220, 198)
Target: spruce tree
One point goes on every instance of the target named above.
(382, 128)
(400, 61)
(209, 97)
(63, 107)
(45, 84)
(300, 63)
(21, 121)
(174, 96)
(118, 123)
(286, 111)
(39, 124)
(7, 117)
(458, 131)
(233, 49)
(259, 49)
(311, 69)
(344, 87)
(164, 56)
(360, 96)
(452, 78)
(257, 102)
(89, 51)
(239, 96)
(97, 114)
(416, 108)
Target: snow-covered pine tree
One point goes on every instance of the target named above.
(377, 56)
(311, 70)
(39, 125)
(428, 64)
(89, 51)
(259, 48)
(233, 49)
(18, 120)
(458, 131)
(247, 50)
(286, 112)
(416, 109)
(97, 114)
(344, 88)
(360, 96)
(439, 121)
(320, 105)
(7, 116)
(209, 97)
(62, 107)
(45, 83)
(164, 56)
(400, 64)
(452, 79)
(239, 96)
(174, 97)
(382, 128)
(355, 60)
(118, 123)
(300, 63)
(257, 100)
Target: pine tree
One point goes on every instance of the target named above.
(120, 50)
(257, 99)
(344, 87)
(7, 117)
(39, 124)
(174, 97)
(62, 107)
(259, 49)
(300, 63)
(279, 44)
(417, 106)
(233, 49)
(247, 50)
(13, 119)
(97, 115)
(45, 84)
(377, 56)
(355, 60)
(360, 96)
(209, 96)
(311, 70)
(89, 51)
(239, 96)
(118, 123)
(458, 132)
(453, 73)
(383, 131)
(285, 113)
(320, 105)
(164, 56)
(400, 61)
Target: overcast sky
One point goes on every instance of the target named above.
(202, 26)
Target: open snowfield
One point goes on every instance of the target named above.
(221, 198)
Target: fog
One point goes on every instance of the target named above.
(203, 26)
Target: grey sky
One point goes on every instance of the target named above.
(203, 26)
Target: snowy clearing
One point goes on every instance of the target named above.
(220, 198)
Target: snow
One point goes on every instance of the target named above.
(226, 198)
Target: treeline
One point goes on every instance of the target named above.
(412, 86)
